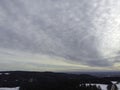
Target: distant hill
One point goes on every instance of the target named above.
(48, 79)
(19, 78)
(100, 73)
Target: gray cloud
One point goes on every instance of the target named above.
(62, 28)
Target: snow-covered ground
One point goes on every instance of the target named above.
(15, 88)
(118, 85)
(104, 86)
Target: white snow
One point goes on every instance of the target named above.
(104, 86)
(15, 88)
(118, 85)
(114, 82)
(7, 73)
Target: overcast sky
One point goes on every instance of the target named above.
(59, 35)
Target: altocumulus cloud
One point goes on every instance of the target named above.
(51, 34)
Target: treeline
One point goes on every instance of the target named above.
(64, 86)
(21, 78)
(61, 87)
(50, 81)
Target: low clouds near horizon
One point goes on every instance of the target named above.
(61, 34)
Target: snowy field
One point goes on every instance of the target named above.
(118, 85)
(104, 86)
(15, 88)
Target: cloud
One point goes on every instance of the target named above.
(16, 60)
(77, 31)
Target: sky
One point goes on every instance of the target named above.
(60, 35)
